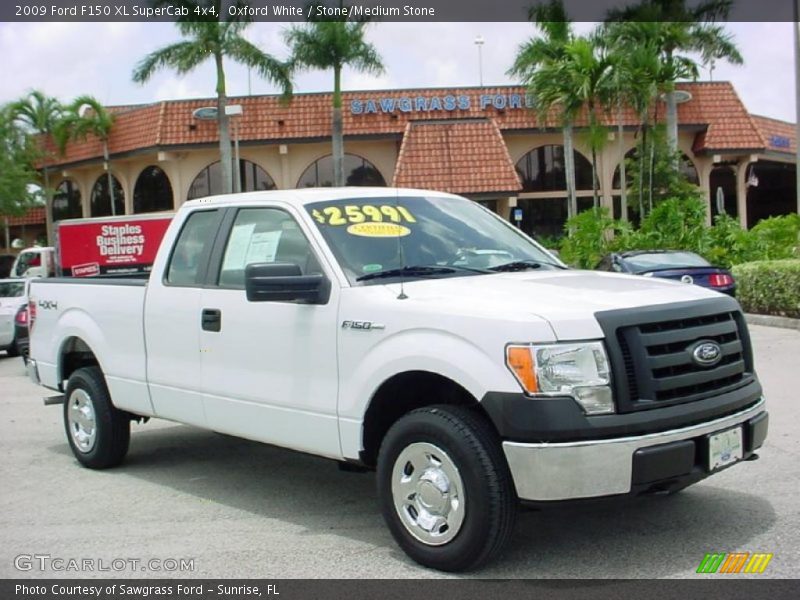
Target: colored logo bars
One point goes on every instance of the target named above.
(734, 562)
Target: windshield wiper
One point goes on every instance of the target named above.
(418, 271)
(523, 265)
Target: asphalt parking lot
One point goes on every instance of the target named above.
(241, 509)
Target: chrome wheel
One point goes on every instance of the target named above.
(81, 420)
(428, 493)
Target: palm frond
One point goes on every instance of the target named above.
(181, 56)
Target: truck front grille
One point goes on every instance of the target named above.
(651, 353)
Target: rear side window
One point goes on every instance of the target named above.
(194, 243)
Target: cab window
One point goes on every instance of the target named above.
(194, 242)
(264, 235)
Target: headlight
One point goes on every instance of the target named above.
(579, 370)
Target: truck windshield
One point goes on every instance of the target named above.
(377, 239)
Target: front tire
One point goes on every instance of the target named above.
(97, 432)
(445, 488)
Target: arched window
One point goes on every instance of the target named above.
(543, 170)
(67, 201)
(209, 181)
(687, 169)
(101, 200)
(152, 192)
(357, 171)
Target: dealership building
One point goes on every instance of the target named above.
(483, 143)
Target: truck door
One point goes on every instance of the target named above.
(269, 369)
(172, 322)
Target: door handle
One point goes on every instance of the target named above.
(212, 319)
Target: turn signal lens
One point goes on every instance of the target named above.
(520, 361)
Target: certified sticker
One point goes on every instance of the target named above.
(378, 230)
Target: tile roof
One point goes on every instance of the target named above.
(457, 156)
(34, 216)
(729, 125)
(714, 107)
(781, 136)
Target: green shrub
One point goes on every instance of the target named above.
(769, 287)
(680, 224)
(777, 237)
(676, 223)
(727, 244)
(591, 237)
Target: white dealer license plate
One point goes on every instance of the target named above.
(724, 448)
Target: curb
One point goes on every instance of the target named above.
(772, 321)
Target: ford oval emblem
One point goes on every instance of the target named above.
(706, 353)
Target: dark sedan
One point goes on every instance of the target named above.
(678, 265)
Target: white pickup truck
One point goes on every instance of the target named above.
(411, 332)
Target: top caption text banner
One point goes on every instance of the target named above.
(384, 10)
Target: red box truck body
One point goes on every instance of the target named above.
(110, 245)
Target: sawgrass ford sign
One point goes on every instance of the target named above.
(434, 104)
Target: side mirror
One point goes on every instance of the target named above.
(283, 282)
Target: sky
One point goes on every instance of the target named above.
(66, 60)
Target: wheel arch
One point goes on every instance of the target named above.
(74, 353)
(400, 394)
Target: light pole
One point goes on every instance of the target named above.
(479, 43)
(210, 113)
(236, 110)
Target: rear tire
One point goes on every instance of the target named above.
(445, 489)
(97, 432)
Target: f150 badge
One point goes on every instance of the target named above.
(362, 325)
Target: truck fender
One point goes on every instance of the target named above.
(435, 351)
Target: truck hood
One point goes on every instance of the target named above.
(567, 300)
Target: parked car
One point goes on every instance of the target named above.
(21, 333)
(6, 262)
(678, 265)
(12, 296)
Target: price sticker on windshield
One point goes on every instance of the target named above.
(352, 214)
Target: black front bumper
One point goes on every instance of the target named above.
(520, 418)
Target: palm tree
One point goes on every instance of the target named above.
(333, 44)
(586, 70)
(675, 29)
(40, 115)
(87, 116)
(636, 73)
(537, 65)
(209, 37)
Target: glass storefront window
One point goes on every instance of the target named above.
(153, 191)
(358, 172)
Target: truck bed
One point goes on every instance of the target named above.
(109, 320)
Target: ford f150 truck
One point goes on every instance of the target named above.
(411, 332)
